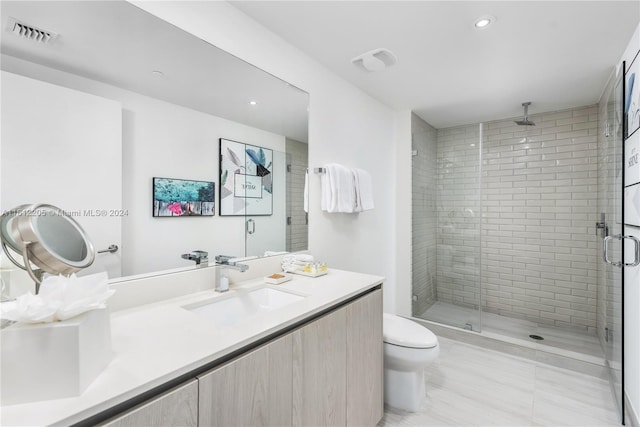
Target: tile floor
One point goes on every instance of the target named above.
(474, 386)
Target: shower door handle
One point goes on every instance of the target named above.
(636, 252)
(251, 226)
(636, 258)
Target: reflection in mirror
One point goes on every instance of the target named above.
(123, 97)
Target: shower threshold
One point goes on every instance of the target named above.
(569, 349)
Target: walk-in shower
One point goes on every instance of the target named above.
(504, 239)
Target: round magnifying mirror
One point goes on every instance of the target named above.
(47, 237)
(6, 238)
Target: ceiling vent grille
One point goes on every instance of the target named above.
(375, 60)
(30, 32)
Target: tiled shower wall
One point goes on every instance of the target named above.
(458, 210)
(609, 153)
(424, 218)
(538, 257)
(540, 200)
(297, 231)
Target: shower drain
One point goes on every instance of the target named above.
(536, 337)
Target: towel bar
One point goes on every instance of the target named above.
(319, 170)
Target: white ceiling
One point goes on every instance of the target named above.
(556, 54)
(119, 44)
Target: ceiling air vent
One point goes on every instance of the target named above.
(30, 32)
(375, 60)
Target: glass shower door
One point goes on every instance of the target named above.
(265, 205)
(609, 227)
(447, 213)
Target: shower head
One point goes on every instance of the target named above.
(525, 121)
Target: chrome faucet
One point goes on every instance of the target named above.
(200, 257)
(224, 262)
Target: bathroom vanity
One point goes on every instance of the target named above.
(309, 354)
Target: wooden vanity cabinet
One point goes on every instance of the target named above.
(338, 367)
(320, 372)
(365, 373)
(328, 372)
(177, 407)
(252, 390)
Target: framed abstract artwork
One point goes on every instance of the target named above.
(632, 160)
(181, 197)
(632, 205)
(246, 179)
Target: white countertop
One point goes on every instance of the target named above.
(158, 342)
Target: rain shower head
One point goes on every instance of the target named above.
(525, 121)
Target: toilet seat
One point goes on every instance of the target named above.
(405, 333)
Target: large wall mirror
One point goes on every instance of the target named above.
(100, 97)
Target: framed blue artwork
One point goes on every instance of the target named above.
(182, 197)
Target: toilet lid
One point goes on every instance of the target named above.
(405, 333)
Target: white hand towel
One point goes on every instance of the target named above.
(342, 189)
(364, 190)
(356, 183)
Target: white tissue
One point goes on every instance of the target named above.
(60, 298)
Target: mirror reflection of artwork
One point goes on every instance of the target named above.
(632, 160)
(246, 179)
(632, 205)
(632, 97)
(180, 197)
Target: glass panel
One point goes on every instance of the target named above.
(178, 94)
(446, 224)
(297, 217)
(610, 201)
(265, 200)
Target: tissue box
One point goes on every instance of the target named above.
(53, 360)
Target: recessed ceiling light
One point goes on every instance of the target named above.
(484, 21)
(253, 103)
(157, 73)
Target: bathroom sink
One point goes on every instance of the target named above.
(243, 305)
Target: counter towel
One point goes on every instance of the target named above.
(364, 190)
(306, 191)
(340, 195)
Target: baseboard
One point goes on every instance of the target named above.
(630, 415)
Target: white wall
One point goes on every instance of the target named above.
(632, 291)
(166, 140)
(67, 140)
(345, 126)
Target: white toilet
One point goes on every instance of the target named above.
(408, 349)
